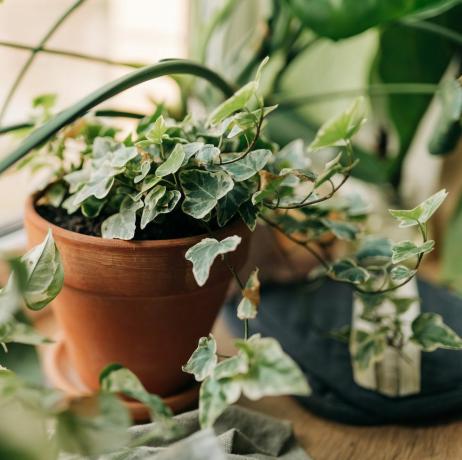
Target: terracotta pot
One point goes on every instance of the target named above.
(134, 302)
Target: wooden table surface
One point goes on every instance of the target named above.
(326, 440)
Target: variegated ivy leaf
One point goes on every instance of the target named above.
(421, 213)
(270, 184)
(249, 165)
(368, 347)
(54, 195)
(229, 205)
(406, 249)
(249, 214)
(374, 251)
(208, 155)
(117, 379)
(331, 168)
(149, 182)
(144, 171)
(246, 120)
(77, 179)
(202, 190)
(271, 371)
(92, 207)
(402, 304)
(92, 426)
(122, 155)
(430, 332)
(190, 150)
(238, 100)
(203, 254)
(248, 306)
(102, 146)
(157, 203)
(45, 275)
(156, 133)
(203, 360)
(401, 272)
(347, 270)
(341, 128)
(342, 230)
(173, 163)
(231, 367)
(17, 332)
(215, 396)
(122, 225)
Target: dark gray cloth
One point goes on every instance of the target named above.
(300, 315)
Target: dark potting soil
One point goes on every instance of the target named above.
(173, 225)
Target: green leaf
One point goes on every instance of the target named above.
(369, 347)
(236, 102)
(430, 332)
(342, 230)
(117, 379)
(229, 205)
(341, 128)
(122, 155)
(249, 165)
(122, 225)
(202, 190)
(54, 195)
(17, 332)
(155, 204)
(208, 154)
(144, 171)
(248, 306)
(406, 249)
(149, 182)
(448, 130)
(203, 254)
(293, 155)
(249, 214)
(77, 179)
(45, 275)
(173, 163)
(190, 150)
(375, 251)
(401, 272)
(215, 396)
(271, 371)
(92, 207)
(345, 18)
(421, 213)
(157, 131)
(331, 168)
(231, 367)
(347, 270)
(402, 304)
(93, 425)
(203, 360)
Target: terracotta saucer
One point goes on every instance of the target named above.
(61, 375)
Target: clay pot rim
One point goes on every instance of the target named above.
(74, 237)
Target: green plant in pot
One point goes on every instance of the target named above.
(132, 215)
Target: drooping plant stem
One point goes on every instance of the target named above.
(435, 29)
(34, 52)
(71, 54)
(163, 68)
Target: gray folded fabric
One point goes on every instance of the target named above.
(240, 434)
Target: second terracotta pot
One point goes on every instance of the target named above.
(134, 302)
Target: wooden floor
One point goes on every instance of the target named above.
(325, 440)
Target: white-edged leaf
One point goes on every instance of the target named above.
(248, 306)
(406, 249)
(203, 254)
(341, 128)
(173, 163)
(248, 166)
(203, 360)
(157, 131)
(421, 213)
(202, 190)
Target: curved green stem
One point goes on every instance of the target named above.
(372, 90)
(31, 58)
(163, 68)
(435, 29)
(71, 54)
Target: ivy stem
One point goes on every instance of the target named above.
(34, 52)
(71, 54)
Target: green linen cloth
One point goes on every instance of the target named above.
(240, 434)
